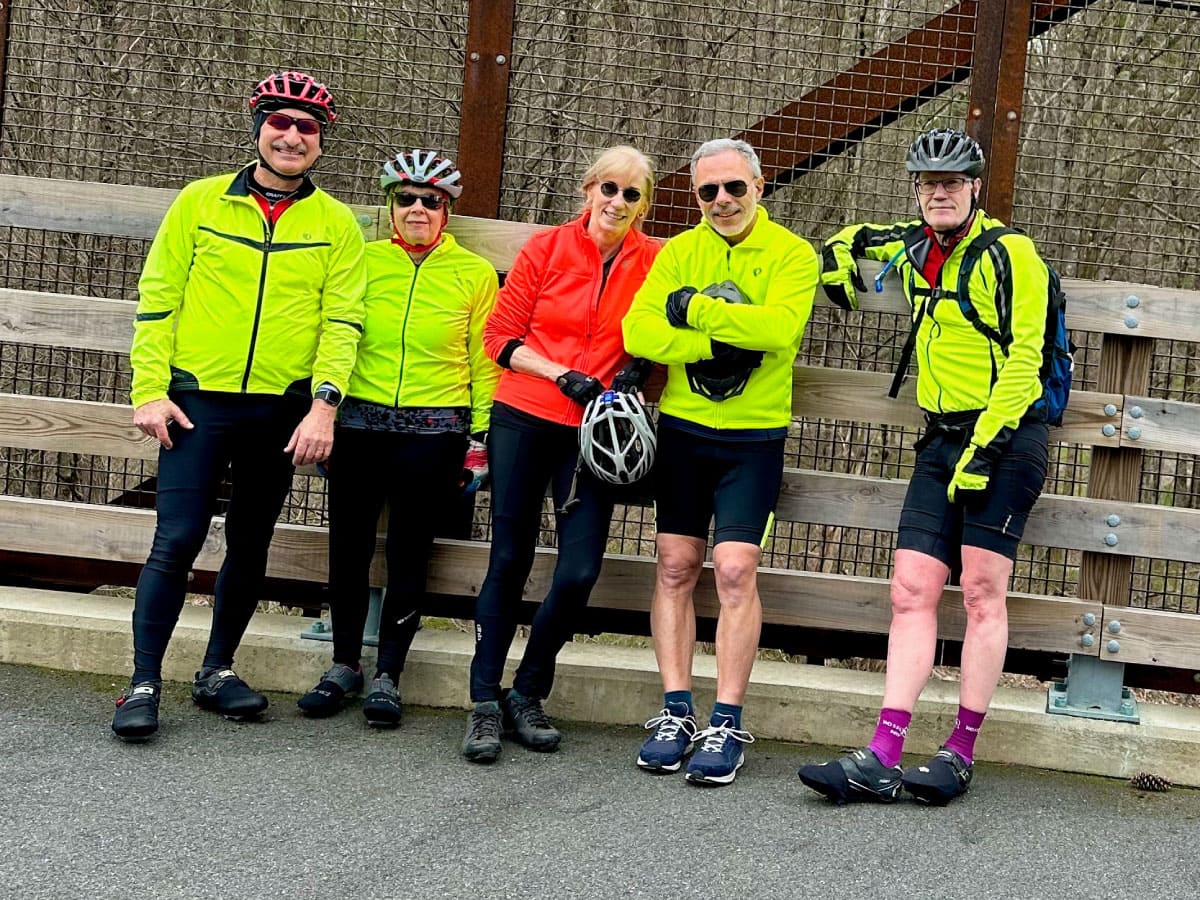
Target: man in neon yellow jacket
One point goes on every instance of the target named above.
(980, 464)
(249, 316)
(724, 307)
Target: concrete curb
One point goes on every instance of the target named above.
(614, 685)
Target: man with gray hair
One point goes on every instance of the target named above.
(724, 308)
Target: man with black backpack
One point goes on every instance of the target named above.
(989, 380)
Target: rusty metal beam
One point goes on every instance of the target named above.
(484, 105)
(997, 96)
(855, 104)
(5, 12)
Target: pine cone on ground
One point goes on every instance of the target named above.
(1147, 781)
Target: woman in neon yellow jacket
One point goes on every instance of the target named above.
(419, 400)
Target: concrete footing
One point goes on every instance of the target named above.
(615, 685)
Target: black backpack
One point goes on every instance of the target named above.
(1058, 360)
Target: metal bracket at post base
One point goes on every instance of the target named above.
(321, 630)
(1093, 690)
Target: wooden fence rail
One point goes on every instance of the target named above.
(1106, 421)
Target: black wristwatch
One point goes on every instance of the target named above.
(329, 394)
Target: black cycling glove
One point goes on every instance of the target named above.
(632, 377)
(677, 304)
(583, 389)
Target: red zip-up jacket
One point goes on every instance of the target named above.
(553, 301)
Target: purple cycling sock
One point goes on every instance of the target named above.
(888, 742)
(966, 729)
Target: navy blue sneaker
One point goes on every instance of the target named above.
(859, 775)
(720, 755)
(940, 780)
(674, 737)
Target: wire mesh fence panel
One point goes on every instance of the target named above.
(666, 75)
(830, 93)
(154, 92)
(1106, 181)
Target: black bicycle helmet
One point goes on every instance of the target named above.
(945, 150)
(728, 372)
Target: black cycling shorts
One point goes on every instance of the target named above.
(931, 524)
(698, 478)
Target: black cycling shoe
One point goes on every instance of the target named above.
(484, 724)
(326, 699)
(940, 780)
(221, 691)
(382, 705)
(525, 718)
(136, 717)
(859, 775)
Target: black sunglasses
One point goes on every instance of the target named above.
(282, 122)
(611, 189)
(429, 201)
(708, 192)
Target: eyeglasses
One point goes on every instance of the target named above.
(708, 192)
(430, 201)
(611, 189)
(952, 186)
(282, 122)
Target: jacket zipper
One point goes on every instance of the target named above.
(268, 231)
(412, 287)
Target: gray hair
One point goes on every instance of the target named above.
(720, 145)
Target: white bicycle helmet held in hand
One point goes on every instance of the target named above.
(616, 438)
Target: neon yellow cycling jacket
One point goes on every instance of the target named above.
(955, 363)
(227, 303)
(776, 272)
(422, 342)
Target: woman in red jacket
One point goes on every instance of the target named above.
(556, 331)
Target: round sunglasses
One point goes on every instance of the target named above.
(611, 189)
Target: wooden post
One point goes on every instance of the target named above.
(997, 92)
(1115, 474)
(484, 105)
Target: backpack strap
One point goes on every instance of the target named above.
(978, 246)
(925, 298)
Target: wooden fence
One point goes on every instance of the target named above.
(1109, 527)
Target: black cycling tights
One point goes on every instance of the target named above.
(243, 434)
(418, 475)
(525, 454)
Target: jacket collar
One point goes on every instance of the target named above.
(240, 186)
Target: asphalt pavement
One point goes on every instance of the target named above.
(294, 808)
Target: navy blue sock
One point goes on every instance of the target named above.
(727, 710)
(674, 699)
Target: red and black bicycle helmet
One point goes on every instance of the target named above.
(295, 90)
